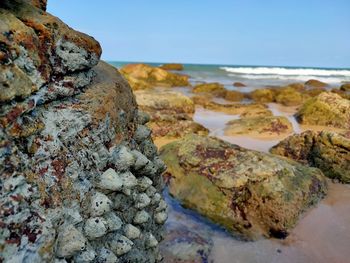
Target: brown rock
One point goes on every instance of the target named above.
(315, 83)
(172, 66)
(345, 87)
(239, 85)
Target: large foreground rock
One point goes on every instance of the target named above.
(259, 126)
(80, 176)
(328, 151)
(142, 76)
(250, 193)
(328, 109)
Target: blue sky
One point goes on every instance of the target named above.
(245, 32)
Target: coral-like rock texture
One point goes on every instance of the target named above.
(75, 169)
(250, 193)
(328, 151)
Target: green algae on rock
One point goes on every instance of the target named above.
(327, 151)
(328, 109)
(259, 126)
(251, 194)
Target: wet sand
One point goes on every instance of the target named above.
(321, 235)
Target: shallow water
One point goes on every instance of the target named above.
(321, 235)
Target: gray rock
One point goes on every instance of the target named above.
(131, 231)
(105, 255)
(143, 117)
(160, 217)
(100, 204)
(120, 244)
(144, 183)
(142, 133)
(142, 201)
(69, 242)
(140, 160)
(150, 241)
(113, 222)
(122, 158)
(141, 217)
(95, 227)
(110, 180)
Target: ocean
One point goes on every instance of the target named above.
(255, 77)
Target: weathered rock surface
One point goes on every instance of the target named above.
(328, 109)
(250, 193)
(142, 76)
(345, 87)
(291, 95)
(170, 112)
(327, 151)
(72, 150)
(218, 90)
(172, 66)
(259, 126)
(244, 110)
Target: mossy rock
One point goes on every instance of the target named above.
(214, 88)
(289, 97)
(251, 194)
(263, 95)
(327, 151)
(328, 109)
(259, 126)
(172, 66)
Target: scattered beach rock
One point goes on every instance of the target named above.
(172, 66)
(345, 87)
(328, 109)
(142, 76)
(342, 93)
(259, 126)
(250, 193)
(315, 83)
(327, 151)
(263, 95)
(289, 97)
(171, 113)
(218, 90)
(185, 245)
(239, 85)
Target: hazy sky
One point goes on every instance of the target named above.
(245, 32)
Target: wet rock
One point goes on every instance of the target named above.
(110, 180)
(249, 193)
(259, 126)
(327, 151)
(187, 245)
(326, 109)
(69, 242)
(142, 76)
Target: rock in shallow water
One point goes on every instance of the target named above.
(328, 151)
(250, 193)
